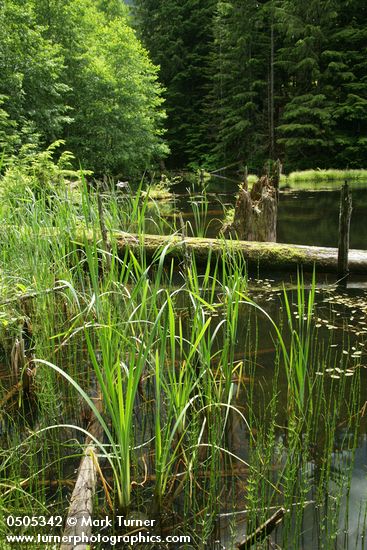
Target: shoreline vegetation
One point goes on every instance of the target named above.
(164, 189)
(325, 176)
(188, 406)
(316, 177)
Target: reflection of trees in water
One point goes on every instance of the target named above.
(313, 218)
(304, 217)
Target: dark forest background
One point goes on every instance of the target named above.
(198, 83)
(250, 80)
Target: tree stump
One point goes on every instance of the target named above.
(255, 215)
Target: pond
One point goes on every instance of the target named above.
(227, 394)
(339, 313)
(306, 216)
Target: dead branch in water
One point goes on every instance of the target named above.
(81, 502)
(263, 531)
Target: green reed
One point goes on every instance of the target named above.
(176, 354)
(200, 205)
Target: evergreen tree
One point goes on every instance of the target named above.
(307, 125)
(244, 81)
(345, 83)
(245, 95)
(178, 35)
(325, 113)
(238, 79)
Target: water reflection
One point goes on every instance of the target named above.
(312, 217)
(309, 217)
(343, 506)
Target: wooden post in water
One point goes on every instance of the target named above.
(344, 230)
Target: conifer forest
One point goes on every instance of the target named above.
(183, 274)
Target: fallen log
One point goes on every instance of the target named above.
(270, 256)
(77, 526)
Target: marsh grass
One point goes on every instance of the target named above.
(199, 203)
(175, 354)
(325, 176)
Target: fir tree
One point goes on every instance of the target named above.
(178, 34)
(244, 96)
(346, 83)
(307, 125)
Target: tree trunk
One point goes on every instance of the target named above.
(255, 216)
(266, 255)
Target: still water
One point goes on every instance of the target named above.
(308, 217)
(312, 217)
(305, 217)
(337, 313)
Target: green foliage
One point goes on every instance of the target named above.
(178, 360)
(8, 135)
(116, 103)
(242, 82)
(178, 35)
(278, 78)
(75, 70)
(31, 67)
(324, 176)
(239, 99)
(33, 172)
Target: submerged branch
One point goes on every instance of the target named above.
(263, 531)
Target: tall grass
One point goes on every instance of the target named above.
(199, 204)
(176, 354)
(330, 175)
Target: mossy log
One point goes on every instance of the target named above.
(270, 256)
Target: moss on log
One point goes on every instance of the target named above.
(266, 255)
